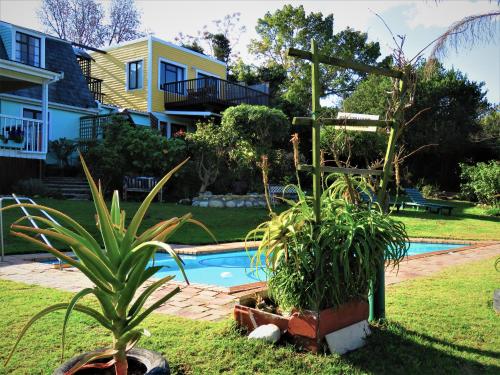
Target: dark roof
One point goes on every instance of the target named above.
(3, 51)
(72, 89)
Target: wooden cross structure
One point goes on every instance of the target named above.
(377, 294)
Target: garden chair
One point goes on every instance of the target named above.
(140, 185)
(418, 201)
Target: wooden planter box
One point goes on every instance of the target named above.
(307, 328)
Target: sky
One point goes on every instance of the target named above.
(420, 21)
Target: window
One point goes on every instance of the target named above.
(134, 78)
(32, 114)
(172, 73)
(27, 49)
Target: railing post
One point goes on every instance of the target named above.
(45, 116)
(316, 132)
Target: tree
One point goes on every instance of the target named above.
(82, 21)
(125, 21)
(291, 27)
(246, 132)
(209, 146)
(221, 47)
(446, 112)
(220, 42)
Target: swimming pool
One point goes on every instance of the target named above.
(233, 268)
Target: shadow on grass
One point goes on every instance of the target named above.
(433, 216)
(396, 350)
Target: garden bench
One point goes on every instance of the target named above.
(140, 184)
(280, 191)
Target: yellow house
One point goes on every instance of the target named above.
(165, 85)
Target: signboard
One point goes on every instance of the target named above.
(356, 116)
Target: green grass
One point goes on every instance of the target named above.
(439, 325)
(467, 222)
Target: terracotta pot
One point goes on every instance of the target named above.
(141, 361)
(307, 328)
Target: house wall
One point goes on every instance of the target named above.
(62, 123)
(111, 67)
(192, 61)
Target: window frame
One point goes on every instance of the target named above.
(138, 75)
(178, 66)
(20, 43)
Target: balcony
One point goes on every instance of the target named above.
(210, 93)
(22, 137)
(94, 85)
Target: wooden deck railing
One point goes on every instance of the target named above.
(210, 91)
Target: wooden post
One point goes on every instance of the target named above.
(316, 163)
(377, 294)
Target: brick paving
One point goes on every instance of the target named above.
(212, 303)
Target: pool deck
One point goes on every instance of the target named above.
(212, 303)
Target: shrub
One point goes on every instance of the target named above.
(481, 182)
(429, 191)
(30, 187)
(132, 150)
(315, 266)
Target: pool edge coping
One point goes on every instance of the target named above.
(242, 290)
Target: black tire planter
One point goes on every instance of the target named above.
(151, 363)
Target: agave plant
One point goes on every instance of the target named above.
(117, 269)
(316, 266)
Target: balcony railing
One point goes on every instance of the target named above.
(95, 88)
(23, 134)
(210, 92)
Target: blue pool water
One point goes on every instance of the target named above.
(233, 268)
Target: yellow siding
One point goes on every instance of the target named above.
(111, 67)
(192, 61)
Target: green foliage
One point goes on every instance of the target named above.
(135, 150)
(482, 182)
(316, 266)
(451, 107)
(31, 187)
(245, 133)
(354, 147)
(429, 191)
(117, 270)
(62, 148)
(489, 133)
(292, 27)
(221, 46)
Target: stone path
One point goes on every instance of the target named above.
(213, 303)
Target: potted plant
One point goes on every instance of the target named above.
(118, 270)
(319, 275)
(16, 135)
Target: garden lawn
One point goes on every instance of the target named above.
(467, 222)
(439, 325)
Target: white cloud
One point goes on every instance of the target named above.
(443, 14)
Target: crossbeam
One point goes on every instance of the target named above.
(355, 171)
(345, 63)
(343, 122)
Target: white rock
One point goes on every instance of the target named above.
(266, 332)
(349, 338)
(240, 204)
(216, 203)
(195, 203)
(230, 204)
(248, 204)
(203, 204)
